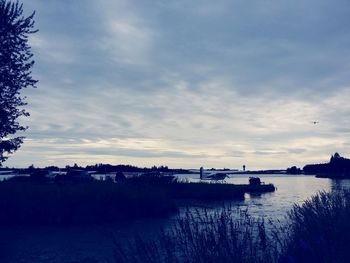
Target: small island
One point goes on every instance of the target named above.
(337, 168)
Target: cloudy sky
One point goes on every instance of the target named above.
(188, 83)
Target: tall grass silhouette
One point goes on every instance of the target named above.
(316, 231)
(229, 235)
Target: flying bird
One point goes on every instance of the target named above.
(315, 122)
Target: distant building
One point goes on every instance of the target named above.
(201, 173)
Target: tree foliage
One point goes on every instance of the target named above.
(16, 61)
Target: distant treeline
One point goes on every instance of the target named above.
(337, 167)
(102, 168)
(108, 168)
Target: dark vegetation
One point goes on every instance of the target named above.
(108, 168)
(203, 190)
(102, 169)
(15, 73)
(225, 236)
(294, 170)
(317, 231)
(79, 203)
(75, 197)
(337, 167)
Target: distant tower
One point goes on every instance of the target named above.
(243, 167)
(201, 173)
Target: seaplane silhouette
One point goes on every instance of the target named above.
(211, 176)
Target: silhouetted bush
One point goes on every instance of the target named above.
(320, 230)
(120, 177)
(153, 178)
(74, 176)
(294, 170)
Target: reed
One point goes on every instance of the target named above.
(229, 235)
(316, 231)
(319, 229)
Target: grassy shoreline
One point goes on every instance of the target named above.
(26, 202)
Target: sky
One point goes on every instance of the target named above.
(188, 83)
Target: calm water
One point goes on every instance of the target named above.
(290, 189)
(73, 244)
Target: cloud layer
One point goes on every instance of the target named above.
(188, 83)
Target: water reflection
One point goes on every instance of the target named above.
(291, 189)
(254, 195)
(338, 185)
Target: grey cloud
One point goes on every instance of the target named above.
(296, 151)
(199, 76)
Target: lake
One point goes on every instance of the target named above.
(51, 244)
(290, 189)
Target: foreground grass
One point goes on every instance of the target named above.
(318, 231)
(226, 236)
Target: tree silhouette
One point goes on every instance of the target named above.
(15, 72)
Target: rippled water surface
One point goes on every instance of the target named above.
(84, 243)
